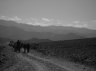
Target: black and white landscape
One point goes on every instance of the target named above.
(13, 30)
(47, 35)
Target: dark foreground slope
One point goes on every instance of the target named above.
(7, 57)
(81, 50)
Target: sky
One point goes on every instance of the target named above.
(77, 13)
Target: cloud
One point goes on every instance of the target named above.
(4, 17)
(47, 22)
(17, 19)
(46, 19)
(42, 21)
(80, 24)
(76, 22)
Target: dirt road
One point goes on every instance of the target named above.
(32, 63)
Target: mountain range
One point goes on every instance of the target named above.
(14, 30)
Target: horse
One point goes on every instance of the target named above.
(19, 45)
(26, 47)
(16, 45)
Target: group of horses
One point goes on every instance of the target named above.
(18, 45)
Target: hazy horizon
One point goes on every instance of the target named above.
(76, 13)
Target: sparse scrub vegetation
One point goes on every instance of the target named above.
(7, 57)
(80, 50)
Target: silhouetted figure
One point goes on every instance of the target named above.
(28, 47)
(18, 46)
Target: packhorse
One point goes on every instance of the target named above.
(19, 45)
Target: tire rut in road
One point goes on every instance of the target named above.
(37, 65)
(50, 66)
